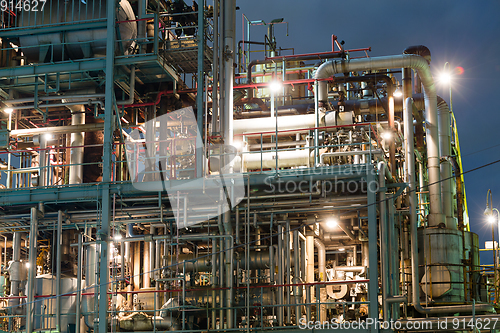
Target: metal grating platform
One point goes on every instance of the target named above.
(183, 55)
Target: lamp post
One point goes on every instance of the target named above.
(492, 219)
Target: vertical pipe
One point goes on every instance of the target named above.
(42, 161)
(280, 275)
(15, 277)
(392, 145)
(444, 126)
(410, 164)
(288, 269)
(383, 240)
(79, 284)
(296, 275)
(214, 280)
(30, 306)
(77, 140)
(146, 275)
(103, 231)
(9, 156)
(310, 258)
(201, 82)
(229, 28)
(215, 71)
(322, 276)
(221, 283)
(58, 270)
(372, 249)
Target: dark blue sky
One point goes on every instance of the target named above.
(464, 33)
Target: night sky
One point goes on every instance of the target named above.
(464, 33)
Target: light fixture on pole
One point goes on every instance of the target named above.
(488, 212)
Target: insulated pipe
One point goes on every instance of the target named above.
(77, 141)
(444, 126)
(267, 160)
(229, 8)
(82, 98)
(297, 291)
(322, 275)
(355, 269)
(79, 284)
(58, 269)
(152, 256)
(310, 258)
(58, 129)
(384, 260)
(15, 274)
(31, 288)
(420, 65)
(321, 259)
(410, 164)
(347, 231)
(351, 153)
(215, 70)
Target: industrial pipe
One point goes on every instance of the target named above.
(420, 65)
(444, 126)
(77, 141)
(410, 164)
(384, 260)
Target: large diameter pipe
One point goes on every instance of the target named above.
(229, 8)
(322, 274)
(444, 125)
(286, 159)
(421, 66)
(76, 153)
(410, 164)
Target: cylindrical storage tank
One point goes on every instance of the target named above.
(440, 264)
(45, 307)
(83, 43)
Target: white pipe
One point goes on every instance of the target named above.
(322, 274)
(77, 140)
(310, 258)
(58, 129)
(410, 158)
(420, 65)
(384, 267)
(286, 159)
(321, 259)
(258, 125)
(350, 153)
(355, 269)
(446, 168)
